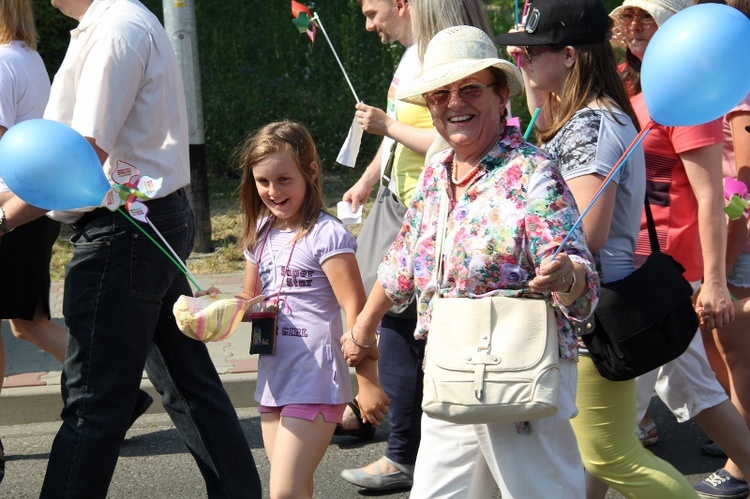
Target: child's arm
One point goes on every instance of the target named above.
(248, 287)
(343, 274)
(372, 400)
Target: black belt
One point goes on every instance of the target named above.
(90, 216)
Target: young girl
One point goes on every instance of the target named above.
(301, 258)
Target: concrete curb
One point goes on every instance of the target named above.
(42, 404)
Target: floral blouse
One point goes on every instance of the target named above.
(511, 216)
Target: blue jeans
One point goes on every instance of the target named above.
(119, 293)
(400, 370)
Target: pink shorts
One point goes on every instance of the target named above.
(331, 413)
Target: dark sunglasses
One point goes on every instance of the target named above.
(533, 51)
(466, 92)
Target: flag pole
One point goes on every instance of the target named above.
(322, 28)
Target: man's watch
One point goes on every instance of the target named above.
(4, 229)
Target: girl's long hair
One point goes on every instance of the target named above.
(17, 22)
(428, 17)
(273, 138)
(593, 76)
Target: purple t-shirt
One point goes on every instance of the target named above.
(308, 366)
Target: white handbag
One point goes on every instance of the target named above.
(489, 360)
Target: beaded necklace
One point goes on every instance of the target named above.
(470, 175)
(474, 172)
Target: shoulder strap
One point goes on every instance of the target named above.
(651, 227)
(385, 180)
(440, 238)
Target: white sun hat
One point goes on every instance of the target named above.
(455, 53)
(660, 10)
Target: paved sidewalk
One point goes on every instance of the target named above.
(31, 391)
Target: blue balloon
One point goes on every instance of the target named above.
(51, 166)
(696, 67)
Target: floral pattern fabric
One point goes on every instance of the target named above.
(513, 215)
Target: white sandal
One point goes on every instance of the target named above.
(649, 434)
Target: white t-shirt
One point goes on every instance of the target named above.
(120, 84)
(24, 86)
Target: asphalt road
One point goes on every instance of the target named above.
(154, 463)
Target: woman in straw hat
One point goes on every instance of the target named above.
(402, 356)
(586, 123)
(684, 174)
(509, 209)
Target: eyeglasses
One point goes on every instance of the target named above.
(466, 92)
(532, 51)
(643, 18)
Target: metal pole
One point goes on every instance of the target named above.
(179, 22)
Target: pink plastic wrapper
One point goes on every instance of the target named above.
(210, 318)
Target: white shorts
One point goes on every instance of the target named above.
(469, 461)
(687, 385)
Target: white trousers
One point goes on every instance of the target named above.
(472, 461)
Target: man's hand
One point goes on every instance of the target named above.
(358, 193)
(371, 119)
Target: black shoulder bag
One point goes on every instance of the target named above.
(644, 320)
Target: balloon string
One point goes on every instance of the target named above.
(625, 156)
(178, 263)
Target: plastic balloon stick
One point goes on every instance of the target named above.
(625, 155)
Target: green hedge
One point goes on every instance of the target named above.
(256, 67)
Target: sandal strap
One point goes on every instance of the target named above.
(401, 467)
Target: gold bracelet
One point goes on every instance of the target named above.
(363, 347)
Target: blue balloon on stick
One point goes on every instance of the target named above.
(697, 65)
(51, 166)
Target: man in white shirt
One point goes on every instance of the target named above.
(120, 87)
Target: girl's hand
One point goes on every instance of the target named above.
(212, 292)
(516, 53)
(715, 305)
(373, 404)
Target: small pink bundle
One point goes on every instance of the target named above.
(210, 318)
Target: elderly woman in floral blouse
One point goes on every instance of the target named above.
(509, 210)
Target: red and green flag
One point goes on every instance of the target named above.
(303, 19)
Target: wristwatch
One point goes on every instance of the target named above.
(4, 229)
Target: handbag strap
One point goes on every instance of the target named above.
(440, 238)
(385, 179)
(651, 227)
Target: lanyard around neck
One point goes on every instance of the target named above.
(273, 260)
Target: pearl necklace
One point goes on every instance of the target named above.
(470, 175)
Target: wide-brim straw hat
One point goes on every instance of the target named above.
(453, 54)
(660, 10)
